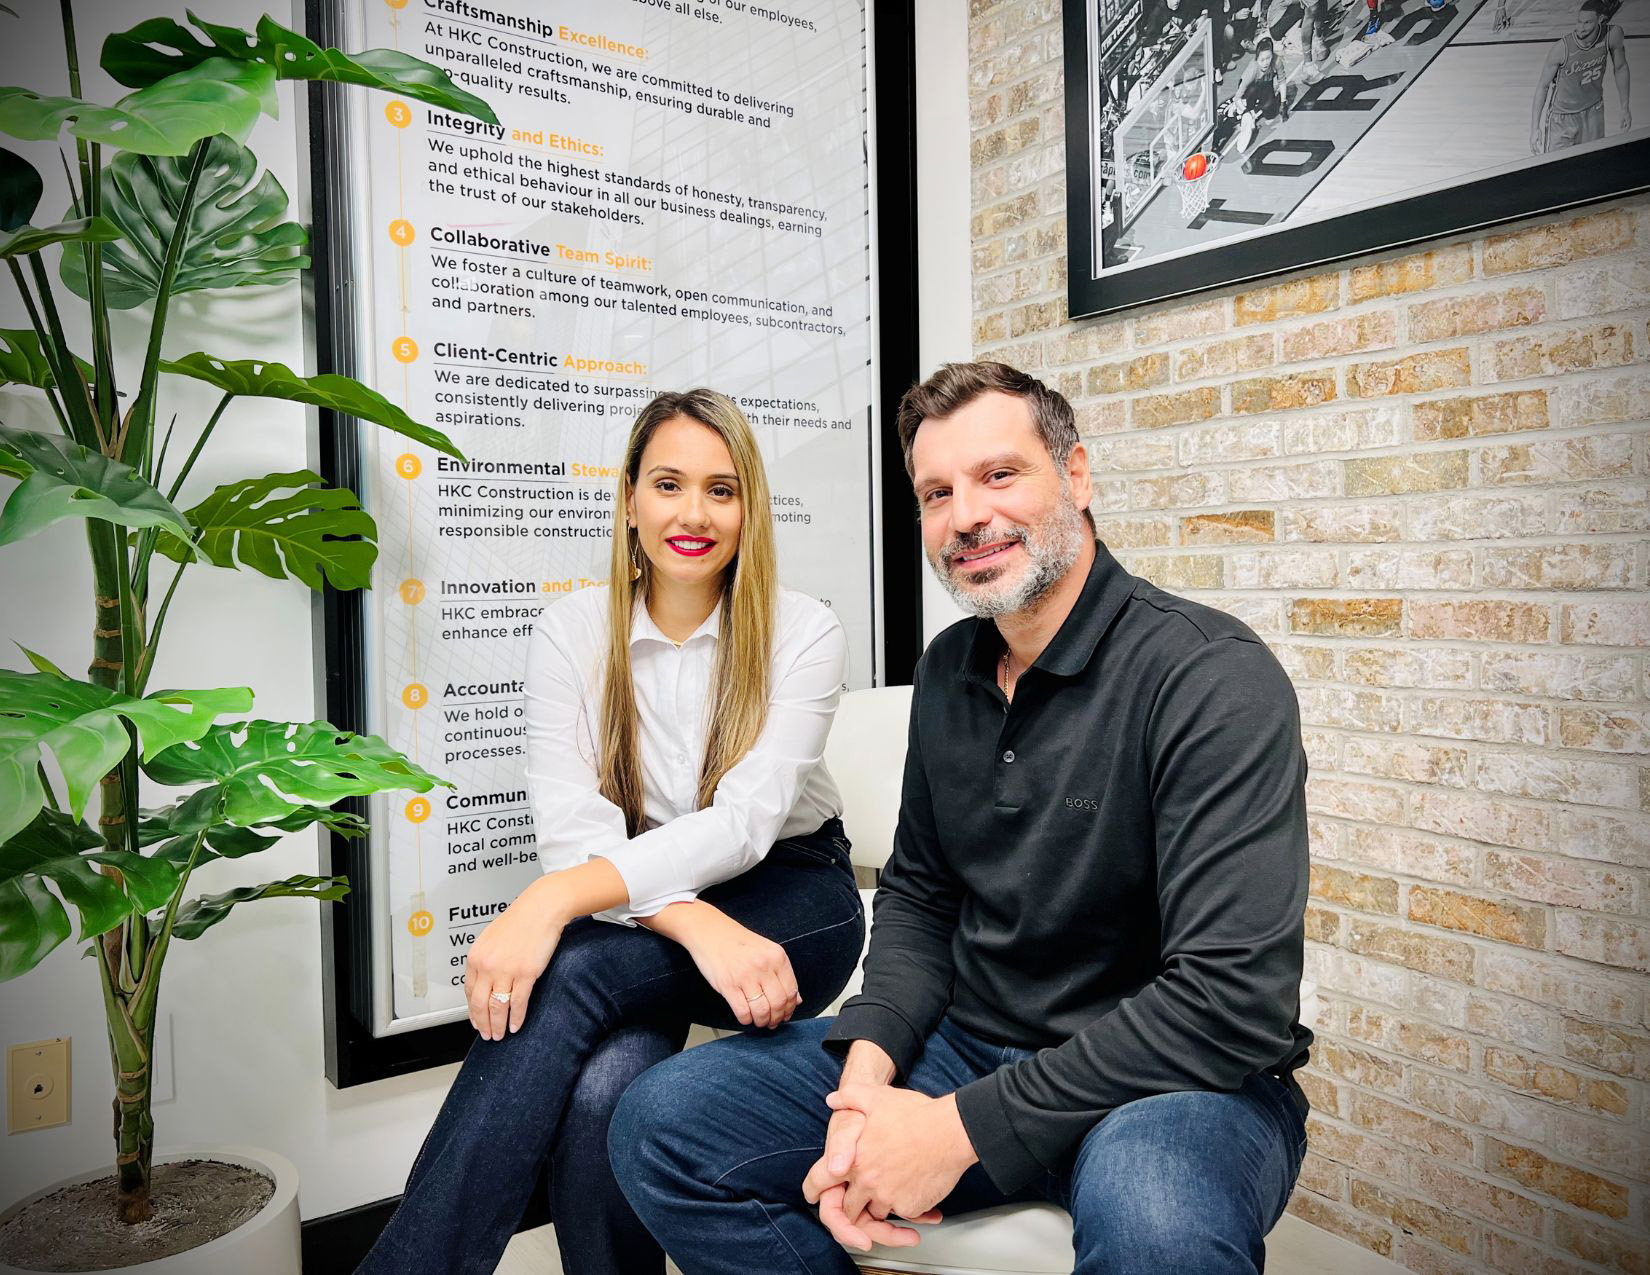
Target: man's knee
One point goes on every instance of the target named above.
(611, 1070)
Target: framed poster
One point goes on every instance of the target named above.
(672, 195)
(1214, 141)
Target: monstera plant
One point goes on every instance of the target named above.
(165, 198)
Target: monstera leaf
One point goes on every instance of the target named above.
(257, 379)
(236, 238)
(65, 480)
(26, 239)
(20, 189)
(199, 915)
(161, 47)
(53, 848)
(80, 724)
(284, 534)
(219, 95)
(22, 361)
(263, 768)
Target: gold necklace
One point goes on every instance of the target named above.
(1005, 674)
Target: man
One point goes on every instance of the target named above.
(1570, 88)
(1083, 979)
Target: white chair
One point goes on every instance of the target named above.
(866, 757)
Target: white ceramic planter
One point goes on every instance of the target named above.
(266, 1244)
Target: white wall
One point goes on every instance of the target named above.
(245, 1000)
(944, 298)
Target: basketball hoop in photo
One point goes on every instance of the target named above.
(1193, 181)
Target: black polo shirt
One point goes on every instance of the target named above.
(1111, 869)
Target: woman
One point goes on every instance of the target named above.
(696, 869)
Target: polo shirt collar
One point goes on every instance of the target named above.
(1104, 592)
(643, 629)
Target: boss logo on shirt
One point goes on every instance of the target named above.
(1082, 803)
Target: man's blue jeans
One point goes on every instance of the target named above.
(711, 1148)
(614, 1001)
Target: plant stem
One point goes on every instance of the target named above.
(189, 461)
(46, 347)
(46, 786)
(146, 660)
(64, 369)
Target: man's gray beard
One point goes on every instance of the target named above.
(1053, 546)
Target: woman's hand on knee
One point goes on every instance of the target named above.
(752, 973)
(508, 957)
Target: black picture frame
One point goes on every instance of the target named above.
(1549, 187)
(353, 1055)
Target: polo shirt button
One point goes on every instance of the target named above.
(1009, 755)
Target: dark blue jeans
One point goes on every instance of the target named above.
(614, 1001)
(1176, 1182)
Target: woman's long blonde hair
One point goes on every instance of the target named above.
(739, 687)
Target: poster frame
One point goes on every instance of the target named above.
(353, 1054)
(1607, 173)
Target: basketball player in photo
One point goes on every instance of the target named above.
(1569, 94)
(1261, 95)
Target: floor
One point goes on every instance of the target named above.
(1293, 1248)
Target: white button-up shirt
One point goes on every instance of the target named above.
(779, 789)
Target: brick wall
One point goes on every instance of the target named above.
(1422, 478)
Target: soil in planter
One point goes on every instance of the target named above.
(76, 1229)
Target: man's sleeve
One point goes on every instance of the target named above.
(908, 971)
(1227, 775)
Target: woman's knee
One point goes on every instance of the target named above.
(613, 1068)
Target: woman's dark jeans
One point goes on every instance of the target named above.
(614, 1001)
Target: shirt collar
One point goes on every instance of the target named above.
(643, 629)
(1108, 586)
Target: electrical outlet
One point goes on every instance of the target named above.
(37, 1085)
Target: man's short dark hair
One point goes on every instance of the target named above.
(956, 385)
(1593, 6)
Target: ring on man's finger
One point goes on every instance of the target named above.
(760, 996)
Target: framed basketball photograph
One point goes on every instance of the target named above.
(1210, 142)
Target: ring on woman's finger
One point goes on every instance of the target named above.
(760, 996)
(500, 998)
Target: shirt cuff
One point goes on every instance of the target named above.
(1003, 1156)
(642, 865)
(882, 1026)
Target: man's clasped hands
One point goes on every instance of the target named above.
(889, 1152)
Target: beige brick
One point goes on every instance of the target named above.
(1623, 839)
(1529, 1074)
(1348, 709)
(1506, 1254)
(1409, 569)
(1492, 721)
(1321, 1177)
(1322, 925)
(1601, 510)
(1562, 985)
(1414, 472)
(1280, 393)
(1141, 373)
(1406, 759)
(1532, 1169)
(1404, 852)
(1354, 889)
(1451, 317)
(1616, 1250)
(1178, 491)
(1411, 374)
(1557, 460)
(1229, 440)
(1130, 453)
(1558, 881)
(1262, 614)
(1422, 667)
(1234, 526)
(1426, 1258)
(1153, 411)
(1480, 621)
(1559, 243)
(1179, 571)
(1611, 1049)
(1512, 1022)
(1619, 285)
(1602, 400)
(1321, 1093)
(1373, 330)
(1408, 1127)
(1473, 914)
(1348, 1146)
(1604, 940)
(1490, 820)
(1342, 1221)
(1084, 342)
(1568, 566)
(1107, 416)
(1477, 517)
(1296, 296)
(1619, 730)
(1559, 675)
(1360, 1067)
(1352, 799)
(1446, 1185)
(1421, 1041)
(990, 327)
(1004, 141)
(1003, 216)
(1603, 345)
(1435, 268)
(1225, 358)
(1282, 569)
(1305, 481)
(1606, 623)
(1347, 617)
(1447, 958)
(1344, 430)
(1179, 323)
(1135, 533)
(1549, 778)
(1482, 1106)
(1037, 316)
(1364, 522)
(1411, 1215)
(1465, 417)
